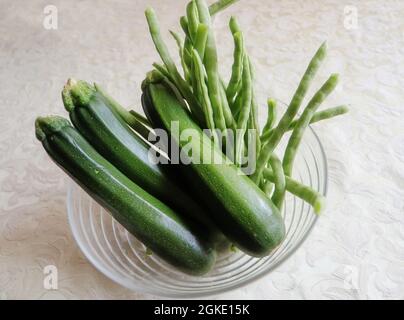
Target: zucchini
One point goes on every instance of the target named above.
(162, 230)
(94, 115)
(241, 210)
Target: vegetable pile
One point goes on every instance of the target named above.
(187, 212)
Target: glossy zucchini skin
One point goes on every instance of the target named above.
(106, 131)
(241, 210)
(161, 229)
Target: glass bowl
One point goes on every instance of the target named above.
(117, 254)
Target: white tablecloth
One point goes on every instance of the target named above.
(356, 250)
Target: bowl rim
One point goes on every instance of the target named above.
(188, 295)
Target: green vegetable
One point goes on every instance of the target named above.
(237, 68)
(133, 119)
(290, 113)
(303, 122)
(193, 19)
(271, 118)
(279, 181)
(244, 111)
(318, 116)
(254, 111)
(202, 92)
(161, 229)
(301, 191)
(98, 122)
(268, 188)
(162, 49)
(211, 66)
(241, 210)
(220, 5)
(181, 52)
(201, 38)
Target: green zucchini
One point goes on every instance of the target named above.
(161, 229)
(241, 210)
(94, 115)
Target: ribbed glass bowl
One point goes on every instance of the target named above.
(117, 254)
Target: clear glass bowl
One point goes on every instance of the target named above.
(117, 254)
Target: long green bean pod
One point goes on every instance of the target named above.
(163, 70)
(311, 196)
(244, 111)
(323, 115)
(180, 45)
(237, 68)
(268, 188)
(184, 25)
(210, 61)
(234, 26)
(279, 181)
(271, 118)
(304, 120)
(236, 105)
(200, 39)
(227, 113)
(203, 94)
(193, 20)
(187, 44)
(318, 116)
(290, 113)
(219, 6)
(254, 110)
(170, 65)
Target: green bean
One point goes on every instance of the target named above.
(187, 55)
(246, 95)
(178, 40)
(254, 110)
(268, 188)
(237, 67)
(203, 12)
(210, 61)
(290, 113)
(152, 76)
(193, 19)
(228, 116)
(187, 42)
(159, 43)
(184, 25)
(279, 181)
(180, 46)
(162, 49)
(200, 39)
(236, 105)
(271, 118)
(304, 120)
(220, 5)
(315, 199)
(323, 115)
(233, 24)
(318, 116)
(203, 94)
(163, 70)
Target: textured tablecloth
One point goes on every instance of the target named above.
(356, 250)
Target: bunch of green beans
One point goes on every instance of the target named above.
(220, 106)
